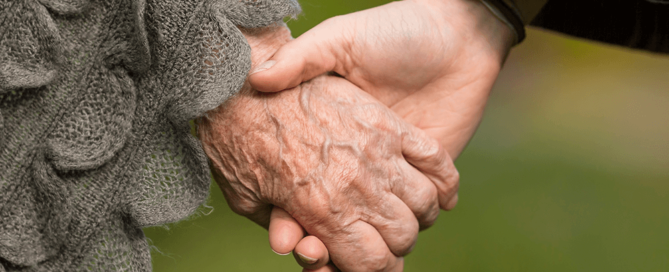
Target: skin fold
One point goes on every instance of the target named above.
(339, 162)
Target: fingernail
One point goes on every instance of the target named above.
(282, 254)
(306, 259)
(264, 66)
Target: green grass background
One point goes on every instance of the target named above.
(569, 171)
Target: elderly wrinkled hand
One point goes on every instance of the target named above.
(341, 163)
(433, 62)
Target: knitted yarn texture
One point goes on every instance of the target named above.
(95, 99)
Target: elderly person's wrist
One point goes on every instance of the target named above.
(328, 153)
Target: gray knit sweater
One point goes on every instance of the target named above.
(95, 99)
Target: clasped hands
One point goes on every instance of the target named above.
(359, 163)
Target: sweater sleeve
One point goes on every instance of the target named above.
(95, 99)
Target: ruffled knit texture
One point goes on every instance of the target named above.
(95, 99)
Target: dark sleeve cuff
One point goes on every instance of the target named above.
(509, 16)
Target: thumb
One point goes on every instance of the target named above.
(284, 232)
(315, 52)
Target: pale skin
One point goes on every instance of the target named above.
(336, 160)
(432, 62)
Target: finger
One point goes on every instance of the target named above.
(284, 232)
(419, 193)
(313, 53)
(397, 225)
(328, 268)
(428, 156)
(360, 247)
(311, 253)
(451, 204)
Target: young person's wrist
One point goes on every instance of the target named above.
(483, 25)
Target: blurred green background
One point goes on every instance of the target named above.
(569, 171)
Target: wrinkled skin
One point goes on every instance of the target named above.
(338, 161)
(432, 62)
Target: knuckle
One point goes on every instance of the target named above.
(375, 262)
(402, 237)
(316, 213)
(428, 196)
(448, 190)
(408, 240)
(433, 149)
(449, 181)
(454, 180)
(452, 202)
(449, 197)
(426, 205)
(430, 218)
(455, 176)
(441, 163)
(425, 147)
(405, 249)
